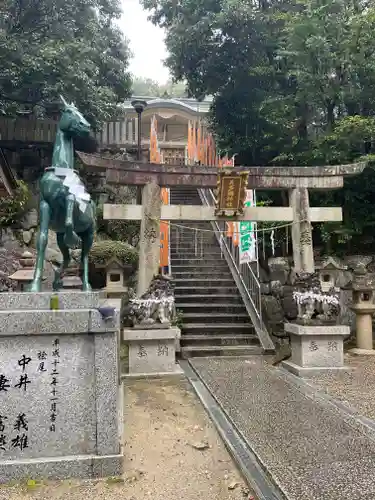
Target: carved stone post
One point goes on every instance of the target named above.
(149, 243)
(303, 254)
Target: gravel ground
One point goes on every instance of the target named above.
(355, 388)
(172, 451)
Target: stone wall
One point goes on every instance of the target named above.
(14, 241)
(278, 284)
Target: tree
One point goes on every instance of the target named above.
(145, 87)
(150, 88)
(292, 82)
(228, 48)
(70, 47)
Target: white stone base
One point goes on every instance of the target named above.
(362, 352)
(152, 351)
(311, 372)
(177, 373)
(315, 349)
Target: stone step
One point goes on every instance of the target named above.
(191, 241)
(207, 282)
(210, 308)
(214, 317)
(221, 264)
(186, 198)
(195, 250)
(191, 253)
(189, 229)
(206, 291)
(202, 273)
(221, 340)
(198, 248)
(190, 245)
(183, 230)
(181, 195)
(217, 350)
(182, 201)
(211, 298)
(217, 328)
(212, 260)
(188, 223)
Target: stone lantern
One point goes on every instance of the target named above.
(25, 275)
(115, 278)
(331, 274)
(364, 307)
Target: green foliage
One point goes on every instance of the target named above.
(178, 319)
(293, 84)
(119, 230)
(72, 47)
(104, 250)
(13, 208)
(149, 88)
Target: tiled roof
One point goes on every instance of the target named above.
(191, 105)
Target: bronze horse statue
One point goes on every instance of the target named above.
(65, 205)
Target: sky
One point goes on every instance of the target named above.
(146, 42)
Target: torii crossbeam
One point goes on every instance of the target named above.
(296, 180)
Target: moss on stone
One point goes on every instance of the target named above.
(104, 250)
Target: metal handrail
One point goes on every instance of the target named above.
(243, 274)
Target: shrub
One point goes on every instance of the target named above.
(13, 208)
(104, 250)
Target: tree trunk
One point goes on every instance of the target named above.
(330, 115)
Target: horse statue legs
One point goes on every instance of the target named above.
(44, 218)
(86, 238)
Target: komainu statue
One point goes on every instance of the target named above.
(65, 205)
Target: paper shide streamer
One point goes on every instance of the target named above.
(272, 237)
(77, 189)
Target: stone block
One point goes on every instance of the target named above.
(59, 391)
(315, 349)
(41, 301)
(152, 351)
(279, 269)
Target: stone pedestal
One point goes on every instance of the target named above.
(59, 388)
(152, 351)
(71, 279)
(315, 349)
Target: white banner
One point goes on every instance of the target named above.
(248, 251)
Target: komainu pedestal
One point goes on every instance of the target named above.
(59, 388)
(315, 349)
(316, 338)
(151, 339)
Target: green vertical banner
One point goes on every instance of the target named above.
(247, 233)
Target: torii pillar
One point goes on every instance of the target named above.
(303, 253)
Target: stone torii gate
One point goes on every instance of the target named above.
(296, 180)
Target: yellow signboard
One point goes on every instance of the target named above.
(231, 193)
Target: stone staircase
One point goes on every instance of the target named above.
(214, 318)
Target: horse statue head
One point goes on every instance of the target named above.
(72, 122)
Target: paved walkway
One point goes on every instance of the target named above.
(355, 388)
(313, 450)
